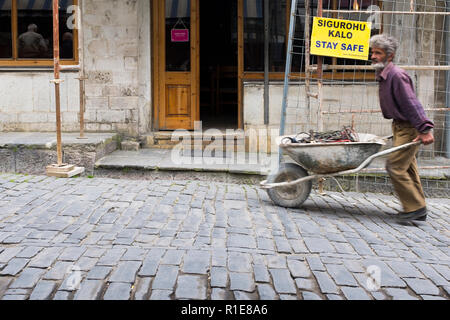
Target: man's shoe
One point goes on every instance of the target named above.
(418, 215)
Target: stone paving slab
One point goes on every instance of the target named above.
(111, 239)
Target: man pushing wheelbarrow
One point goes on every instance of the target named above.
(398, 101)
(292, 185)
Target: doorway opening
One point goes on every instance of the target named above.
(218, 64)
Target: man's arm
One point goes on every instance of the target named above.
(413, 109)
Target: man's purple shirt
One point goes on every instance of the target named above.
(398, 99)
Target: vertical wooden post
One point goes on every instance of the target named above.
(59, 169)
(266, 61)
(15, 35)
(308, 59)
(240, 64)
(320, 91)
(320, 74)
(57, 78)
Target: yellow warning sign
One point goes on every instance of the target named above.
(341, 38)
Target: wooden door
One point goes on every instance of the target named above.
(176, 62)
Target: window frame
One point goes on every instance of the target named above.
(15, 61)
(279, 76)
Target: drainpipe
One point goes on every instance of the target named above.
(447, 90)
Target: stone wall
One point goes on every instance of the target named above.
(28, 101)
(117, 62)
(116, 57)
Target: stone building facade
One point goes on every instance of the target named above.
(116, 49)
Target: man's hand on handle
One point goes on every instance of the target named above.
(426, 138)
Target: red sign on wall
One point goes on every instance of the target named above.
(180, 35)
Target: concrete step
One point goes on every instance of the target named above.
(237, 142)
(31, 152)
(155, 159)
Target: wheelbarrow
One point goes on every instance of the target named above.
(291, 186)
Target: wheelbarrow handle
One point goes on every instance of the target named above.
(369, 160)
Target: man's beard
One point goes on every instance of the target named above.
(379, 66)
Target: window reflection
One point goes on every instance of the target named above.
(5, 29)
(277, 45)
(178, 25)
(32, 44)
(35, 30)
(254, 35)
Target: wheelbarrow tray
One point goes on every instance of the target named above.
(329, 158)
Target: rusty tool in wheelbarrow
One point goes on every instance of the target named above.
(347, 134)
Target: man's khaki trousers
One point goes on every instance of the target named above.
(403, 170)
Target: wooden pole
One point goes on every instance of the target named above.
(59, 169)
(57, 78)
(82, 78)
(320, 93)
(320, 74)
(309, 94)
(266, 61)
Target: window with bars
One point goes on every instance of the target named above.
(26, 32)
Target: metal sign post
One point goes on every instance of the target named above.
(59, 169)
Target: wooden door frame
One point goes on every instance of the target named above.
(240, 27)
(156, 74)
(158, 65)
(159, 78)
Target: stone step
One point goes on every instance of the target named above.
(198, 141)
(32, 152)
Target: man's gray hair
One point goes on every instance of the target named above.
(387, 43)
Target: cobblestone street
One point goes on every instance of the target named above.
(110, 239)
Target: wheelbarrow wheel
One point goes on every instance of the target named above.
(292, 196)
